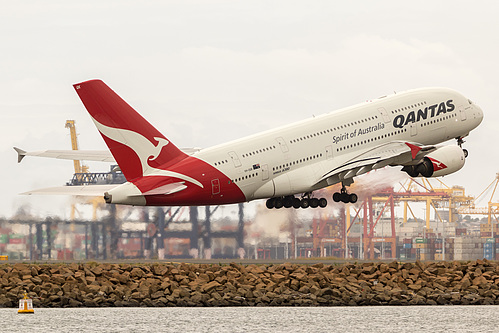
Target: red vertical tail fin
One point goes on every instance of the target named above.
(136, 145)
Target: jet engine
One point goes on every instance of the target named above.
(443, 161)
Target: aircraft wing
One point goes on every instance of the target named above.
(391, 153)
(86, 155)
(84, 190)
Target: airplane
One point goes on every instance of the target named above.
(284, 165)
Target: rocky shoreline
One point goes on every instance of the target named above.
(168, 284)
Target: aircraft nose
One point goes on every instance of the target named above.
(478, 113)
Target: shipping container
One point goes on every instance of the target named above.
(489, 257)
(4, 239)
(407, 245)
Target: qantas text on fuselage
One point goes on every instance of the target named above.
(424, 113)
(285, 165)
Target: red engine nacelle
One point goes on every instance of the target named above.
(443, 161)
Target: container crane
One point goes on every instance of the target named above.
(79, 168)
(492, 209)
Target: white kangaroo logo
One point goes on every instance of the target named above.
(144, 149)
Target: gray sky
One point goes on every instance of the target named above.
(205, 72)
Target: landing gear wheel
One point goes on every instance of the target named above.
(322, 203)
(465, 151)
(296, 203)
(270, 203)
(314, 203)
(278, 203)
(288, 202)
(305, 203)
(344, 197)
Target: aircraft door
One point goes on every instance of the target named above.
(329, 152)
(265, 172)
(414, 129)
(235, 159)
(384, 114)
(215, 186)
(283, 145)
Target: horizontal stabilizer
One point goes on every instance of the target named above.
(85, 155)
(85, 190)
(88, 155)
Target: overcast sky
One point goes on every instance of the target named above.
(205, 72)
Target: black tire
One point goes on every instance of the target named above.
(314, 203)
(305, 203)
(278, 203)
(288, 202)
(344, 197)
(353, 198)
(270, 203)
(322, 202)
(337, 197)
(296, 203)
(465, 151)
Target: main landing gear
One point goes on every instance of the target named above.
(344, 197)
(291, 201)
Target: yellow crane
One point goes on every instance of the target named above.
(79, 168)
(492, 209)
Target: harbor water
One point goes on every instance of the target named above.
(385, 319)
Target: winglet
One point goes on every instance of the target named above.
(414, 149)
(20, 154)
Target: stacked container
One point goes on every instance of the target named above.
(468, 248)
(489, 249)
(420, 246)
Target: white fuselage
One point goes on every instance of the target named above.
(287, 160)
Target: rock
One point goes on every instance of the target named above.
(77, 285)
(137, 273)
(90, 303)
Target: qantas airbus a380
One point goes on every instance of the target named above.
(398, 130)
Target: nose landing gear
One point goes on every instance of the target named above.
(460, 142)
